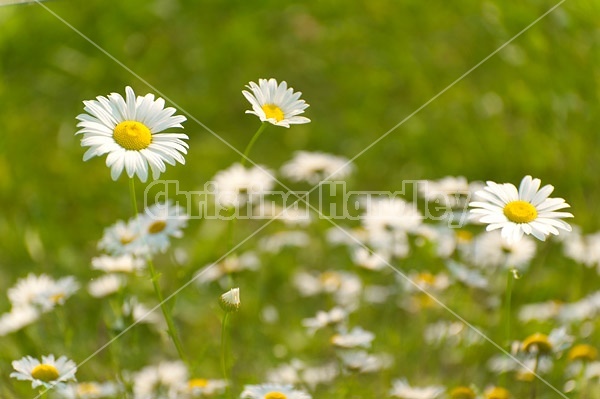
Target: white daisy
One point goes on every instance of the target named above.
(128, 130)
(50, 372)
(402, 389)
(359, 361)
(17, 319)
(273, 391)
(237, 185)
(118, 264)
(493, 250)
(42, 291)
(202, 387)
(160, 381)
(158, 224)
(275, 103)
(528, 210)
(89, 390)
(357, 337)
(314, 167)
(105, 285)
(121, 238)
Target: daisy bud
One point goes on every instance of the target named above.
(230, 301)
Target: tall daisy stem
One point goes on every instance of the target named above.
(224, 368)
(154, 277)
(507, 304)
(232, 221)
(534, 381)
(261, 129)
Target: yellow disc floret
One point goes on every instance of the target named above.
(157, 227)
(462, 393)
(537, 343)
(197, 383)
(275, 395)
(88, 388)
(520, 211)
(497, 393)
(583, 352)
(45, 372)
(132, 135)
(273, 111)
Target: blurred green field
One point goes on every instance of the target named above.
(363, 66)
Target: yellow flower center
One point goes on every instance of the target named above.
(88, 388)
(583, 352)
(157, 227)
(275, 395)
(426, 278)
(57, 298)
(45, 372)
(464, 236)
(197, 383)
(132, 135)
(462, 393)
(273, 111)
(537, 342)
(497, 393)
(126, 239)
(520, 211)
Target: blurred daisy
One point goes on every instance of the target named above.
(314, 167)
(359, 361)
(120, 239)
(49, 373)
(203, 387)
(237, 185)
(232, 264)
(105, 285)
(17, 318)
(323, 319)
(159, 223)
(273, 391)
(357, 337)
(526, 211)
(116, 264)
(401, 389)
(493, 250)
(128, 130)
(160, 381)
(42, 291)
(89, 390)
(275, 103)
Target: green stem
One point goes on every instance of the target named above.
(509, 286)
(262, 127)
(534, 381)
(224, 349)
(507, 316)
(154, 277)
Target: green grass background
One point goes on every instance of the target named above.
(363, 67)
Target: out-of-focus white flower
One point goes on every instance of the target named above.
(359, 361)
(105, 285)
(357, 337)
(314, 167)
(402, 389)
(273, 391)
(160, 381)
(118, 264)
(323, 319)
(236, 186)
(42, 291)
(18, 318)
